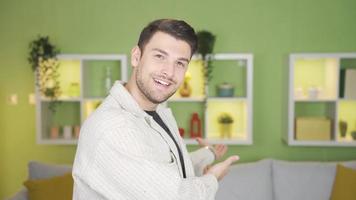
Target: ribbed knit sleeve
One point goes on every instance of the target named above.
(201, 158)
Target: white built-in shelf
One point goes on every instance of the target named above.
(58, 141)
(323, 106)
(228, 98)
(87, 73)
(64, 99)
(240, 107)
(315, 100)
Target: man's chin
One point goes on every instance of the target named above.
(159, 100)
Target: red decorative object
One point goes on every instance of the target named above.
(181, 132)
(195, 126)
(54, 132)
(76, 131)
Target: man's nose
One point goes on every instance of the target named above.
(169, 69)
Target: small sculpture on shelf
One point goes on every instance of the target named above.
(186, 89)
(225, 124)
(314, 92)
(299, 93)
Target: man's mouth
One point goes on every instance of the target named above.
(159, 81)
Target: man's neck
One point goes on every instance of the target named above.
(141, 100)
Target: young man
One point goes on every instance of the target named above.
(130, 148)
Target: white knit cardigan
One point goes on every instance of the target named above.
(124, 154)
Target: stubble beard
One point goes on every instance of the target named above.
(148, 93)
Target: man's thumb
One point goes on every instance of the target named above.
(231, 159)
(200, 141)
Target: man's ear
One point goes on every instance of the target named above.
(135, 56)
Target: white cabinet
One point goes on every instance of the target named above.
(84, 81)
(233, 69)
(322, 103)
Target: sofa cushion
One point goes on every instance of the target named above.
(38, 170)
(344, 184)
(302, 180)
(350, 164)
(55, 188)
(250, 181)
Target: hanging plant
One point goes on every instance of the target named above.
(43, 60)
(206, 41)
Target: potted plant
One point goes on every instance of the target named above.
(206, 41)
(43, 60)
(353, 133)
(225, 122)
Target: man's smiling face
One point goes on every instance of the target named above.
(160, 67)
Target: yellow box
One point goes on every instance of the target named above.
(313, 128)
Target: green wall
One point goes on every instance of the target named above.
(268, 29)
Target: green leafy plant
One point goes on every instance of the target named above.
(225, 118)
(206, 41)
(43, 60)
(41, 48)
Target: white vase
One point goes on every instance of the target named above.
(67, 132)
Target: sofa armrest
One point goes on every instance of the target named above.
(20, 195)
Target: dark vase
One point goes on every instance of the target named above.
(343, 128)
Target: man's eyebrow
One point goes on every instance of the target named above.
(160, 50)
(165, 53)
(184, 59)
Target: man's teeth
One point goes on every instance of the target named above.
(162, 82)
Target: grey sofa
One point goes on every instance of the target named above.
(262, 180)
(280, 180)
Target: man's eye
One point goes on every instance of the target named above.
(180, 64)
(159, 56)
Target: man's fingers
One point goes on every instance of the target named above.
(221, 148)
(231, 160)
(224, 149)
